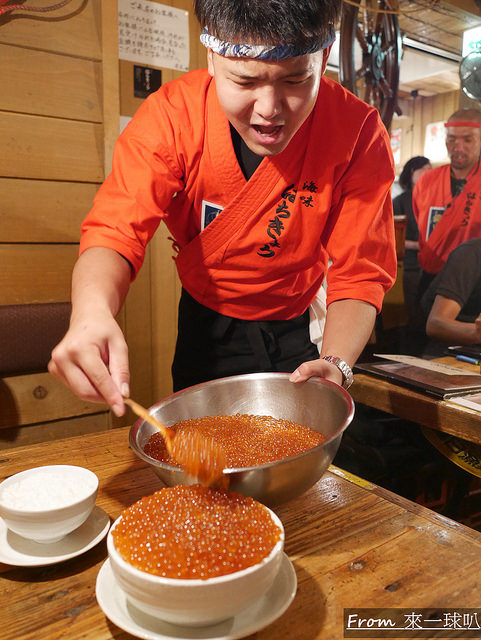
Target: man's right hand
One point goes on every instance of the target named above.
(92, 360)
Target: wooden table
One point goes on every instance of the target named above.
(418, 407)
(352, 544)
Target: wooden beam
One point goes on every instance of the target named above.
(467, 6)
(110, 69)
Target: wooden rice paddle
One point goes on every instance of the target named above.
(200, 457)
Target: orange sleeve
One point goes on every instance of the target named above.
(360, 237)
(146, 174)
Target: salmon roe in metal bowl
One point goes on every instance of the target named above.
(246, 440)
(193, 532)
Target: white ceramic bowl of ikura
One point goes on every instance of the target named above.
(47, 503)
(195, 602)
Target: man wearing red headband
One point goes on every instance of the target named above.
(265, 172)
(447, 199)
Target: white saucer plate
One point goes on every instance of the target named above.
(21, 552)
(121, 612)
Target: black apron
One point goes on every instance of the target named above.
(211, 345)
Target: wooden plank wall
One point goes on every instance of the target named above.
(63, 88)
(162, 288)
(417, 113)
(53, 137)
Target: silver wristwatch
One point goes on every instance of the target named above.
(344, 368)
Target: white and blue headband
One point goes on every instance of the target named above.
(261, 52)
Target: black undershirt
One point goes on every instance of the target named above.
(247, 159)
(457, 185)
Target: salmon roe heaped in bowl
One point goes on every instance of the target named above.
(195, 532)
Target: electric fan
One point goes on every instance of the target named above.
(470, 75)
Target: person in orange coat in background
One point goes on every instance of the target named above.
(447, 199)
(264, 171)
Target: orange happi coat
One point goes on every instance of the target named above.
(445, 222)
(265, 255)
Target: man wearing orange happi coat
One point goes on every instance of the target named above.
(447, 199)
(266, 173)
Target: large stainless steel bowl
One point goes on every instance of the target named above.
(319, 404)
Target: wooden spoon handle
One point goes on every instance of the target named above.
(200, 457)
(143, 413)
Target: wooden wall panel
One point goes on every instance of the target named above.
(72, 30)
(50, 149)
(36, 273)
(438, 109)
(418, 131)
(59, 113)
(33, 434)
(453, 102)
(404, 122)
(137, 327)
(393, 310)
(43, 210)
(110, 80)
(51, 84)
(33, 399)
(165, 295)
(465, 102)
(417, 114)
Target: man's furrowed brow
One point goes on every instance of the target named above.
(244, 76)
(241, 75)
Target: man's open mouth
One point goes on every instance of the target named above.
(267, 130)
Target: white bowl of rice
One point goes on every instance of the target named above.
(47, 503)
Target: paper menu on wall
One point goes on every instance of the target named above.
(426, 364)
(153, 34)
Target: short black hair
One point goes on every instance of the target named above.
(268, 22)
(412, 165)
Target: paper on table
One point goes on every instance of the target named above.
(427, 364)
(471, 401)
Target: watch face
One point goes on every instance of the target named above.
(344, 368)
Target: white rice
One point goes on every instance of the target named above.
(46, 490)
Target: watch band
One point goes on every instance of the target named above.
(344, 368)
